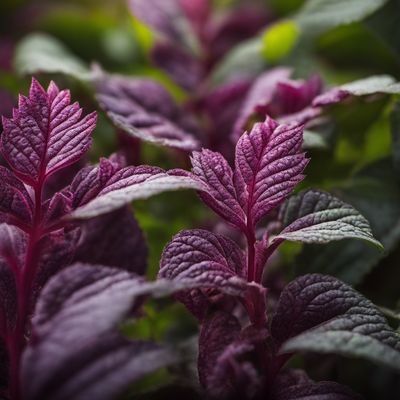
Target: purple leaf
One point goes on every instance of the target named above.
(15, 203)
(76, 351)
(321, 314)
(315, 390)
(145, 110)
(114, 239)
(224, 369)
(181, 66)
(269, 164)
(214, 172)
(3, 368)
(210, 263)
(105, 188)
(372, 85)
(13, 243)
(317, 217)
(259, 98)
(45, 134)
(57, 207)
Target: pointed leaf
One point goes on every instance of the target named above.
(15, 201)
(77, 352)
(114, 239)
(317, 217)
(45, 134)
(363, 87)
(210, 262)
(215, 173)
(145, 110)
(269, 164)
(321, 314)
(105, 188)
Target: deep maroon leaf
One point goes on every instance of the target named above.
(215, 173)
(321, 314)
(45, 134)
(145, 110)
(269, 164)
(114, 239)
(107, 187)
(259, 98)
(211, 263)
(15, 202)
(76, 351)
(57, 207)
(317, 217)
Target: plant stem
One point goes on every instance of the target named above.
(16, 339)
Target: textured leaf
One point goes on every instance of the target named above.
(223, 368)
(145, 110)
(15, 201)
(77, 352)
(12, 252)
(363, 87)
(259, 97)
(318, 16)
(39, 52)
(269, 164)
(217, 176)
(114, 239)
(317, 217)
(321, 314)
(315, 390)
(210, 262)
(105, 188)
(374, 192)
(45, 134)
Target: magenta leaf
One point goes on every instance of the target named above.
(114, 239)
(319, 313)
(215, 173)
(383, 84)
(145, 110)
(259, 98)
(210, 263)
(105, 188)
(269, 164)
(76, 351)
(15, 203)
(45, 134)
(317, 217)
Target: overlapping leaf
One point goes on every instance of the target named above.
(145, 110)
(45, 134)
(77, 352)
(209, 262)
(321, 314)
(317, 217)
(107, 187)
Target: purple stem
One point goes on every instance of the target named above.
(16, 338)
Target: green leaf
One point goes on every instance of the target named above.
(317, 217)
(318, 16)
(43, 53)
(279, 40)
(314, 140)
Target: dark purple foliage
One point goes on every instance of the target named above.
(242, 350)
(40, 236)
